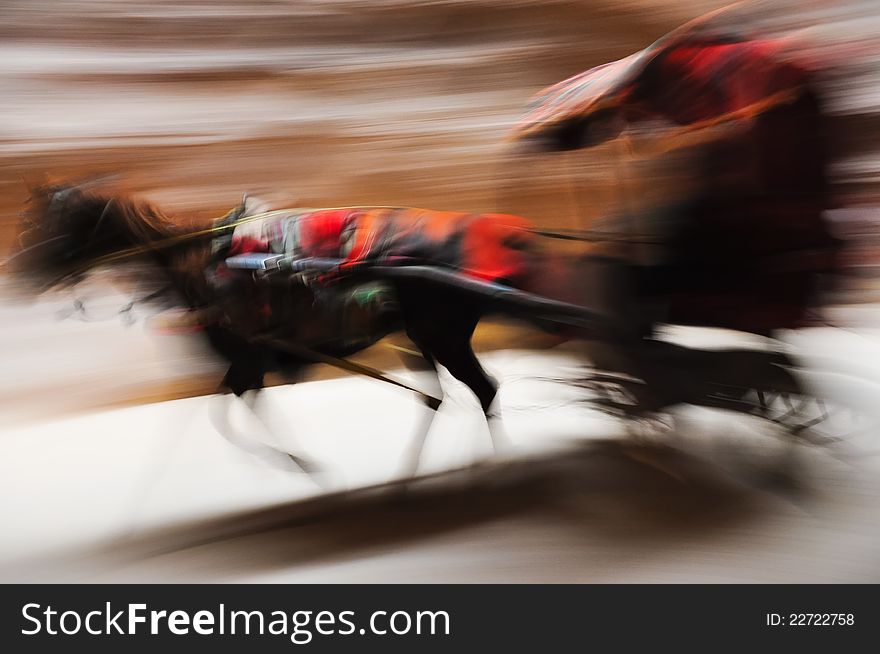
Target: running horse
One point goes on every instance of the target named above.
(326, 284)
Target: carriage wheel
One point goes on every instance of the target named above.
(798, 417)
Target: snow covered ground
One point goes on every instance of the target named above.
(155, 493)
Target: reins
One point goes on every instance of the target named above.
(172, 241)
(589, 236)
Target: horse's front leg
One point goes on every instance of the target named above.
(256, 400)
(246, 383)
(421, 363)
(457, 356)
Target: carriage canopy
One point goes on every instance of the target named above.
(694, 74)
(745, 248)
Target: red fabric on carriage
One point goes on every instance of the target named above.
(693, 82)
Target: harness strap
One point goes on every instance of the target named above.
(589, 236)
(348, 366)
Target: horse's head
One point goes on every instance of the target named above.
(68, 229)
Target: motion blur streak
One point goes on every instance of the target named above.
(110, 465)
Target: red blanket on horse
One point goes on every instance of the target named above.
(485, 246)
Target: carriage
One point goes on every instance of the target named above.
(749, 248)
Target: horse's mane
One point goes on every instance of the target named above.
(143, 221)
(145, 224)
(81, 213)
(67, 228)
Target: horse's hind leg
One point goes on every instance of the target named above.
(459, 359)
(444, 335)
(461, 362)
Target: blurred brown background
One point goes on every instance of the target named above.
(336, 103)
